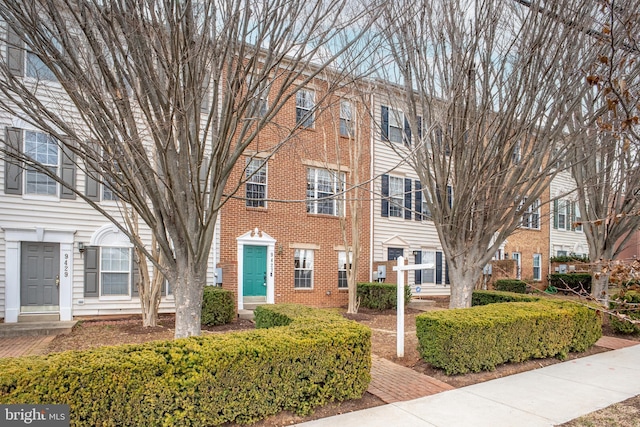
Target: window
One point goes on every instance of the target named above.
(518, 259)
(562, 214)
(305, 102)
(396, 196)
(258, 107)
(108, 193)
(256, 185)
(324, 192)
(394, 253)
(346, 118)
(303, 269)
(396, 123)
(44, 149)
(429, 274)
(531, 216)
(115, 270)
(577, 218)
(342, 269)
(516, 155)
(537, 266)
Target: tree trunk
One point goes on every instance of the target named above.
(463, 281)
(188, 293)
(600, 283)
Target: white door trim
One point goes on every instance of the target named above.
(256, 237)
(13, 237)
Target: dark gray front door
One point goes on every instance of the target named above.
(39, 276)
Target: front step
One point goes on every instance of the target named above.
(246, 314)
(421, 304)
(35, 328)
(38, 317)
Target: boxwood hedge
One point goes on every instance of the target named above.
(510, 285)
(202, 381)
(381, 296)
(480, 338)
(218, 306)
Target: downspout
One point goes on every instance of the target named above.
(371, 184)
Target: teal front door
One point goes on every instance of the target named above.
(254, 275)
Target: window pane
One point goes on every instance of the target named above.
(256, 186)
(115, 284)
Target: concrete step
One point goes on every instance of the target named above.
(421, 304)
(245, 314)
(36, 328)
(252, 306)
(38, 317)
(254, 300)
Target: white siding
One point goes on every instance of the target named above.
(563, 186)
(418, 235)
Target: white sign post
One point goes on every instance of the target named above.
(401, 268)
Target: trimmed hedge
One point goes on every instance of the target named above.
(622, 304)
(510, 285)
(381, 296)
(201, 381)
(493, 297)
(218, 306)
(480, 338)
(571, 282)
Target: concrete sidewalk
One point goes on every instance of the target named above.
(543, 397)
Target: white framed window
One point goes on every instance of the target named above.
(516, 155)
(256, 185)
(35, 68)
(531, 216)
(562, 214)
(44, 149)
(324, 192)
(342, 269)
(346, 117)
(396, 196)
(429, 274)
(260, 104)
(303, 269)
(396, 126)
(537, 267)
(115, 271)
(305, 103)
(517, 257)
(577, 217)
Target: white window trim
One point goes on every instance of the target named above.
(347, 120)
(342, 256)
(395, 196)
(399, 115)
(338, 183)
(121, 297)
(264, 167)
(35, 196)
(539, 267)
(306, 251)
(310, 114)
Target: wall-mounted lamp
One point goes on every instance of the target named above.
(415, 253)
(328, 292)
(81, 247)
(280, 249)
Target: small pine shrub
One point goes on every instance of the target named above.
(218, 306)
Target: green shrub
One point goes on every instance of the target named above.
(510, 285)
(480, 338)
(569, 258)
(381, 296)
(628, 304)
(218, 306)
(492, 297)
(571, 282)
(201, 381)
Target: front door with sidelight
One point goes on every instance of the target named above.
(254, 275)
(39, 276)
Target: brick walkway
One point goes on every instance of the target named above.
(394, 383)
(24, 346)
(615, 343)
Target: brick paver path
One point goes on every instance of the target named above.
(615, 343)
(394, 383)
(24, 346)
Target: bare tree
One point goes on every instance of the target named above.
(606, 154)
(486, 87)
(170, 94)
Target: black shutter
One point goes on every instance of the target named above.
(450, 196)
(407, 132)
(418, 207)
(419, 127)
(438, 268)
(385, 195)
(15, 53)
(384, 111)
(446, 272)
(418, 272)
(13, 167)
(555, 214)
(68, 172)
(407, 198)
(91, 271)
(91, 183)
